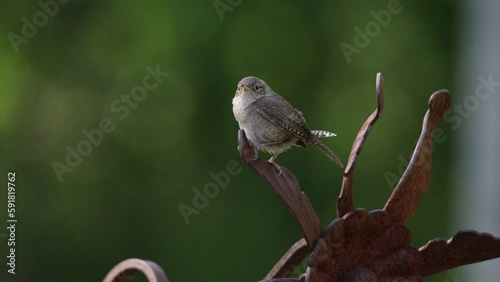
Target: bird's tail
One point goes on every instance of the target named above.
(327, 151)
(322, 133)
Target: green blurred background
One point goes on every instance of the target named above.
(123, 199)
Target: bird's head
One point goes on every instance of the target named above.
(252, 88)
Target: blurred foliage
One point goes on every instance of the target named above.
(123, 199)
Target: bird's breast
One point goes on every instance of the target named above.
(241, 107)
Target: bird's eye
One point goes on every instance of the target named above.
(257, 87)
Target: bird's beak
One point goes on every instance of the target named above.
(245, 88)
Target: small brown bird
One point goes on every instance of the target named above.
(271, 123)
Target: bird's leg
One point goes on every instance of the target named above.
(272, 159)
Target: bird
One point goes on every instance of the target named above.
(271, 124)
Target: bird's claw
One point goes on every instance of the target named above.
(277, 166)
(256, 152)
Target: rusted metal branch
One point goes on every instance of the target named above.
(285, 185)
(127, 269)
(290, 260)
(416, 180)
(345, 201)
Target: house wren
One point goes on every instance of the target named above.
(271, 123)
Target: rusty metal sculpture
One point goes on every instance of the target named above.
(375, 245)
(359, 245)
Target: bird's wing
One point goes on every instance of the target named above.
(278, 111)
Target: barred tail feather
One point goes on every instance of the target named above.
(327, 152)
(322, 133)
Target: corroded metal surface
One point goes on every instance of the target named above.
(285, 185)
(416, 180)
(290, 260)
(345, 201)
(358, 245)
(375, 246)
(362, 245)
(126, 270)
(466, 247)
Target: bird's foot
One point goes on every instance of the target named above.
(277, 166)
(255, 152)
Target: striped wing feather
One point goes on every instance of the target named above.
(278, 111)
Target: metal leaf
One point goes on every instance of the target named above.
(285, 185)
(465, 247)
(345, 202)
(416, 180)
